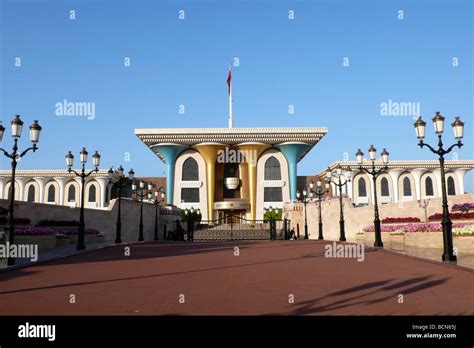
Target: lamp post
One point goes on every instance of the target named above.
(157, 202)
(141, 192)
(374, 173)
(340, 180)
(458, 128)
(272, 222)
(120, 184)
(304, 198)
(191, 218)
(16, 128)
(423, 204)
(320, 194)
(83, 175)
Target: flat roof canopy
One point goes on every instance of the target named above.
(231, 136)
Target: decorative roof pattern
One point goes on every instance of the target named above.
(229, 136)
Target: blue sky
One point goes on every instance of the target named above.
(282, 62)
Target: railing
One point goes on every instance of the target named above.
(234, 228)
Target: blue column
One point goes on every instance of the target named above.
(293, 152)
(170, 153)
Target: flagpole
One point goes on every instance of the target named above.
(230, 101)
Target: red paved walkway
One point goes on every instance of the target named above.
(214, 281)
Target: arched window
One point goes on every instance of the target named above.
(272, 172)
(92, 194)
(406, 187)
(451, 186)
(362, 187)
(384, 187)
(272, 169)
(190, 172)
(71, 193)
(429, 187)
(51, 193)
(31, 194)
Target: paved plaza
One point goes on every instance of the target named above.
(266, 278)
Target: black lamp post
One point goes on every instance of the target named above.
(374, 173)
(120, 184)
(141, 192)
(272, 222)
(83, 175)
(458, 128)
(320, 194)
(340, 182)
(16, 128)
(157, 202)
(191, 218)
(305, 198)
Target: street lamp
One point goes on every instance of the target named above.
(83, 175)
(191, 218)
(374, 173)
(157, 201)
(458, 129)
(339, 179)
(141, 192)
(122, 182)
(16, 128)
(305, 197)
(320, 194)
(272, 222)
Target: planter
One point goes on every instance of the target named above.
(88, 238)
(62, 239)
(424, 239)
(396, 241)
(360, 238)
(47, 242)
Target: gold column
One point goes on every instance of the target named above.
(209, 152)
(254, 150)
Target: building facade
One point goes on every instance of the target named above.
(403, 181)
(231, 171)
(57, 187)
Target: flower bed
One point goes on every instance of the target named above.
(391, 220)
(454, 216)
(467, 230)
(463, 207)
(432, 227)
(34, 231)
(62, 223)
(18, 221)
(43, 231)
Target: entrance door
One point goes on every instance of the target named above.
(231, 216)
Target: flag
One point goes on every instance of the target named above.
(229, 78)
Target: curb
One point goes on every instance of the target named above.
(53, 258)
(439, 263)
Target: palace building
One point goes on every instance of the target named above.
(403, 181)
(231, 171)
(57, 187)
